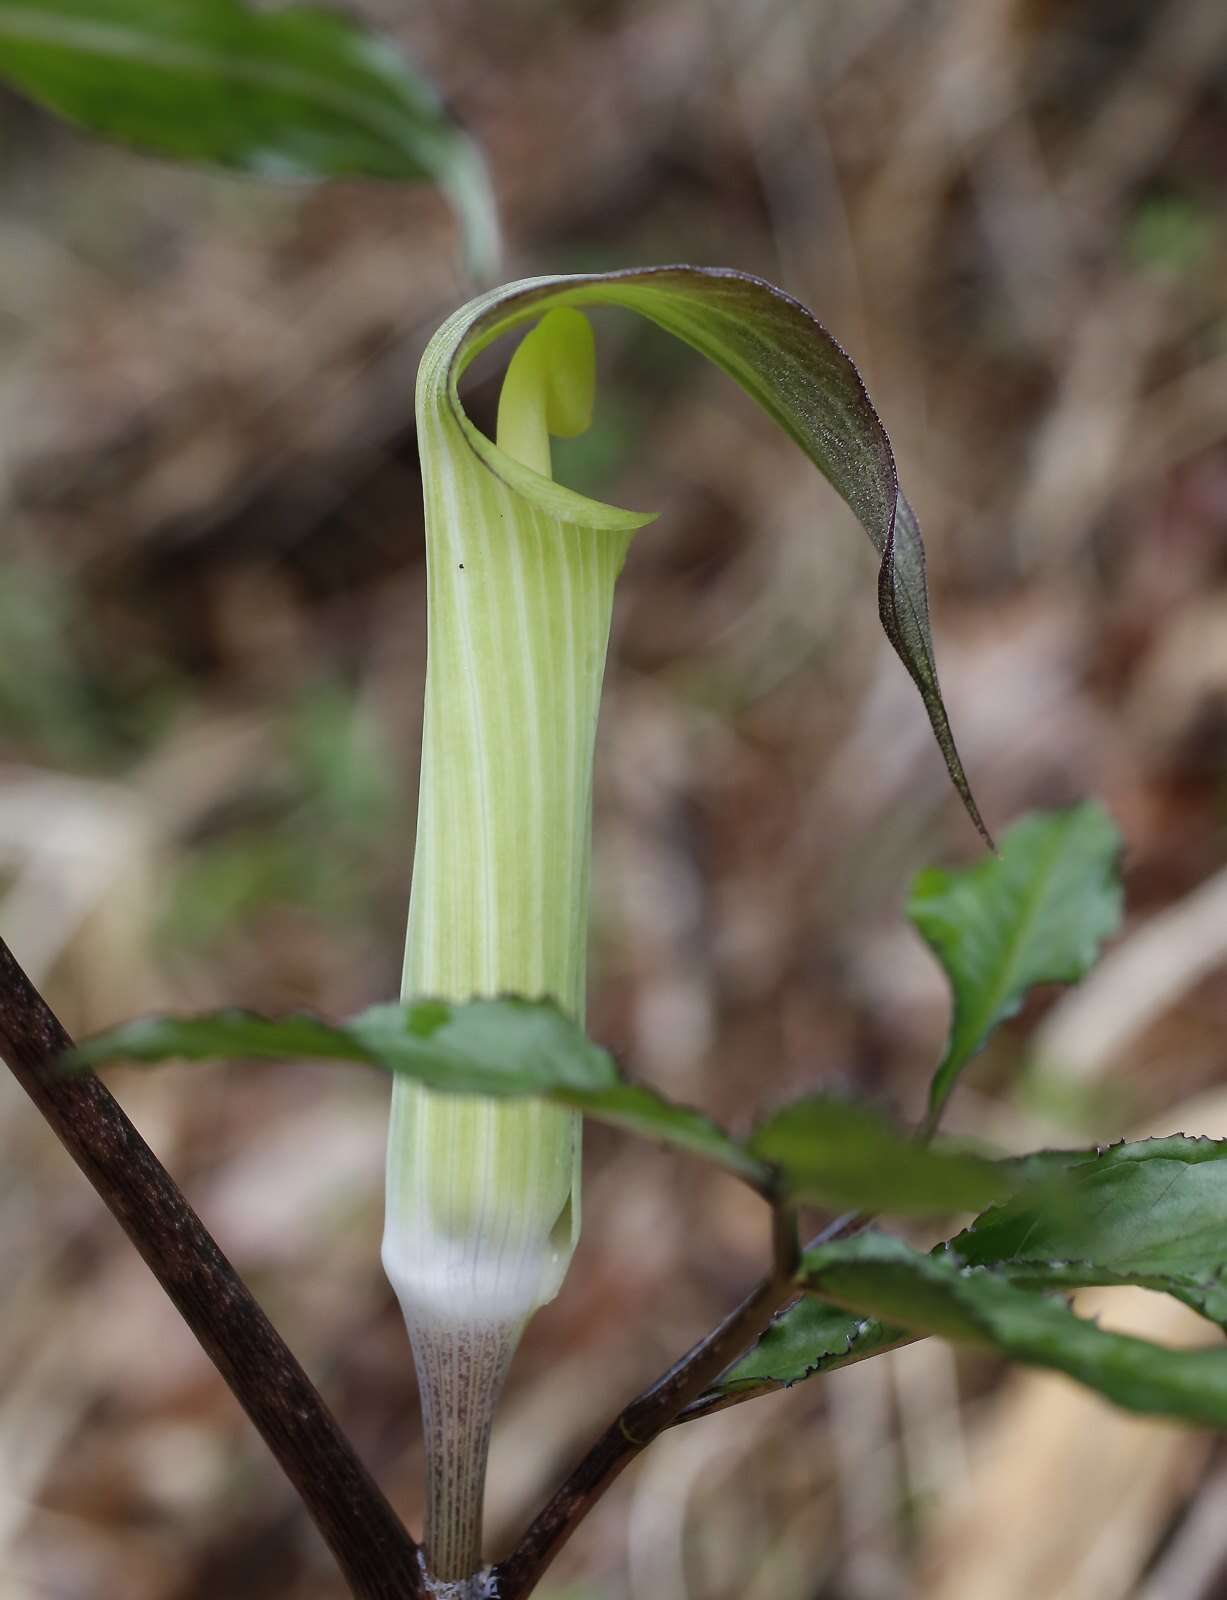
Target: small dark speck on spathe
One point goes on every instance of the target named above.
(461, 564)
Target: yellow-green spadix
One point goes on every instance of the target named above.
(483, 1198)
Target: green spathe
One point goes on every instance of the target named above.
(483, 1205)
(482, 1212)
(787, 362)
(481, 1215)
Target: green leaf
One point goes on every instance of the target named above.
(1037, 913)
(1044, 1166)
(836, 1153)
(809, 1338)
(825, 1151)
(499, 1048)
(783, 358)
(291, 93)
(876, 1276)
(1152, 1213)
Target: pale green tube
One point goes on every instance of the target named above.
(483, 1196)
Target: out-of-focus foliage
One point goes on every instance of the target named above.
(298, 92)
(310, 837)
(838, 1153)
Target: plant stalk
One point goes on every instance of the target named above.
(649, 1414)
(376, 1555)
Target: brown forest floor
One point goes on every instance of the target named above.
(1014, 213)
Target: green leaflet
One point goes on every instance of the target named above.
(1044, 1166)
(824, 1151)
(807, 1339)
(876, 1276)
(502, 1049)
(298, 92)
(841, 1154)
(1036, 913)
(786, 361)
(1152, 1213)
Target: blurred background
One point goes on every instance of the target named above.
(1014, 214)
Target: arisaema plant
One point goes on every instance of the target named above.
(492, 1066)
(483, 1195)
(483, 1198)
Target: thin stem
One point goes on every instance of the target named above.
(647, 1416)
(931, 1123)
(683, 1394)
(461, 1369)
(376, 1555)
(843, 1226)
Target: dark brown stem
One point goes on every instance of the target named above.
(704, 1405)
(841, 1227)
(373, 1550)
(648, 1416)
